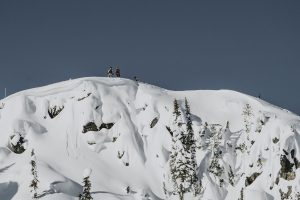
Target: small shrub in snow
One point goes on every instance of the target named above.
(114, 139)
(259, 162)
(215, 167)
(90, 126)
(242, 147)
(165, 189)
(34, 182)
(285, 195)
(86, 193)
(241, 195)
(106, 126)
(231, 176)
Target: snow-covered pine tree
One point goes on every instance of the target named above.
(215, 166)
(176, 111)
(241, 195)
(177, 153)
(183, 154)
(86, 193)
(34, 182)
(247, 113)
(190, 144)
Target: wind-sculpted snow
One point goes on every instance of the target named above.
(246, 148)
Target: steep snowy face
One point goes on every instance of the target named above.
(120, 130)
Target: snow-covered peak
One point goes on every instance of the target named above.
(120, 129)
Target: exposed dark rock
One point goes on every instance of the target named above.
(286, 171)
(293, 153)
(277, 180)
(275, 140)
(54, 111)
(106, 126)
(296, 162)
(90, 126)
(169, 130)
(249, 180)
(91, 142)
(120, 155)
(153, 122)
(80, 99)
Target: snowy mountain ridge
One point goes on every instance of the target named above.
(120, 129)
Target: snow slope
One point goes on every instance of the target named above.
(108, 125)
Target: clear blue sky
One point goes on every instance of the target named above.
(249, 46)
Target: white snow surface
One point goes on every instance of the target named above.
(15, 139)
(87, 172)
(130, 160)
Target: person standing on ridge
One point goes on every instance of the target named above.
(110, 72)
(118, 73)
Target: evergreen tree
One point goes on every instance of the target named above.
(216, 167)
(247, 113)
(183, 155)
(177, 155)
(176, 111)
(231, 176)
(190, 144)
(242, 194)
(34, 183)
(86, 193)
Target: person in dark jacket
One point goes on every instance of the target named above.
(118, 73)
(110, 72)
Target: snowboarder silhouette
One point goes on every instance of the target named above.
(110, 72)
(118, 73)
